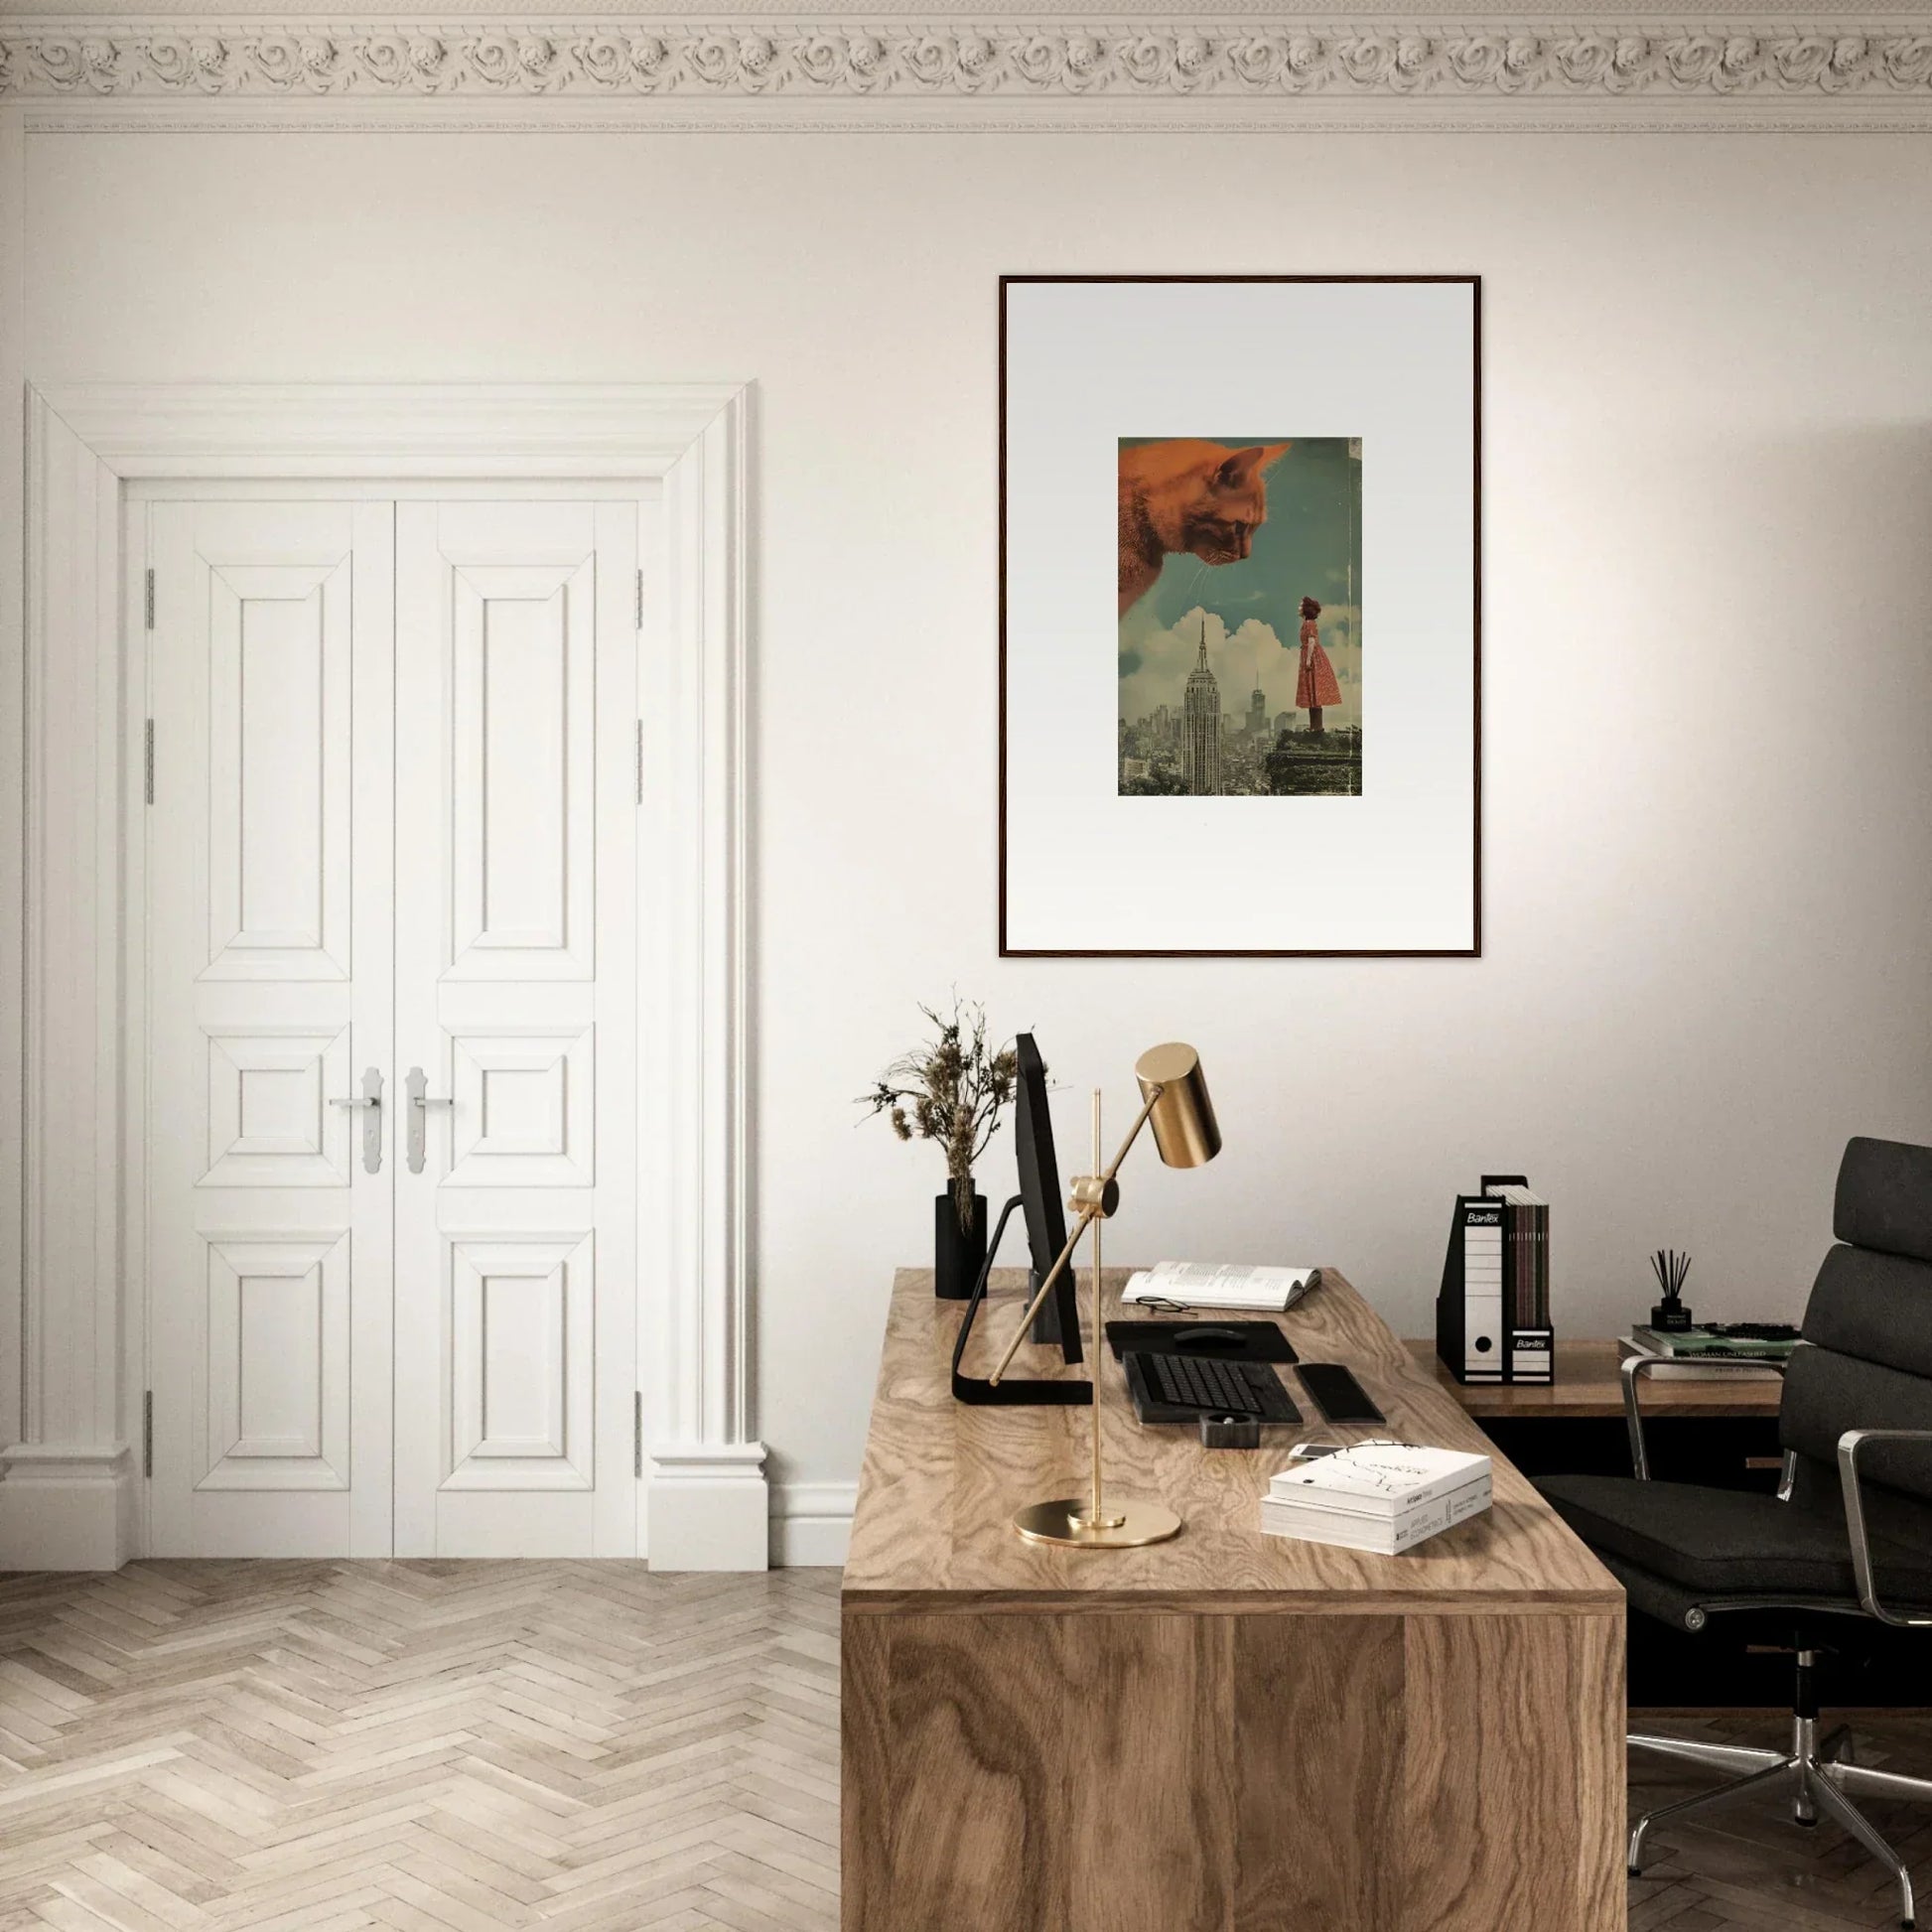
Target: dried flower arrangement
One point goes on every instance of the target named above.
(951, 1090)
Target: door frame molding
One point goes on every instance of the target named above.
(71, 1426)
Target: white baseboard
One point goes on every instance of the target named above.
(708, 1507)
(74, 1509)
(66, 1507)
(812, 1524)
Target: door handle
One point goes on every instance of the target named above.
(420, 1102)
(369, 1099)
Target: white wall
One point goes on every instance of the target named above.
(1708, 648)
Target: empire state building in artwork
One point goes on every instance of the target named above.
(1200, 742)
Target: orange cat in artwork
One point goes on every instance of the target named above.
(1187, 495)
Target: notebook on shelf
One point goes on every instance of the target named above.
(1760, 1341)
(1694, 1354)
(1687, 1368)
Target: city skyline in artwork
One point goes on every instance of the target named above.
(1240, 648)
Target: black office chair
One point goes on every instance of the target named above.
(1847, 1540)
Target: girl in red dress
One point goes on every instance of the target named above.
(1315, 681)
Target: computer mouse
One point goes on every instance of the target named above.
(1209, 1337)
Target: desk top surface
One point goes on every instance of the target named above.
(1587, 1385)
(941, 1479)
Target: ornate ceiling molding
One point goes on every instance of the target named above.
(1877, 74)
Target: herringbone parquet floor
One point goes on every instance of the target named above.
(429, 1746)
(461, 1747)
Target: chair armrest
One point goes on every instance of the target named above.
(1633, 1370)
(1848, 1445)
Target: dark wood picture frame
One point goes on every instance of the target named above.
(1474, 949)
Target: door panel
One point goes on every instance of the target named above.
(269, 905)
(524, 1108)
(515, 979)
(522, 652)
(278, 779)
(278, 1364)
(521, 1401)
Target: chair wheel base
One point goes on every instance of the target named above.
(1814, 1788)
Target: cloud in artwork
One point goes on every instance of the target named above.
(1155, 659)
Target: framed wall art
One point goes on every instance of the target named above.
(1247, 720)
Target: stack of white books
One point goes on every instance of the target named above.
(1381, 1496)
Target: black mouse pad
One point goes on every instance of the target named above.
(1231, 1341)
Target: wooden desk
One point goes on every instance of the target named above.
(1227, 1732)
(1588, 1386)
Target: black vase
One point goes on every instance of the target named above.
(959, 1254)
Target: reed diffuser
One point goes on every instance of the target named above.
(1670, 1314)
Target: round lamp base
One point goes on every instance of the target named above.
(1129, 1525)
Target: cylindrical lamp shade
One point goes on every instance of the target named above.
(1184, 1127)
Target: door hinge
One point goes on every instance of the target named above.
(640, 761)
(640, 599)
(637, 1433)
(149, 597)
(147, 1432)
(147, 761)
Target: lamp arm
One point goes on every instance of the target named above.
(1088, 1215)
(1134, 1133)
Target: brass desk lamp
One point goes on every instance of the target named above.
(1174, 1101)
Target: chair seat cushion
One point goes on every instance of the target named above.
(1729, 1542)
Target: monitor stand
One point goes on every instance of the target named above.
(1047, 1323)
(1013, 1391)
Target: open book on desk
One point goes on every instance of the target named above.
(1211, 1284)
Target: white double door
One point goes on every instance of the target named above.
(390, 1106)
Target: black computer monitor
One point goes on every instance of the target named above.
(1038, 1201)
(1039, 1197)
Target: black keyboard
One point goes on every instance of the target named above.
(1191, 1386)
